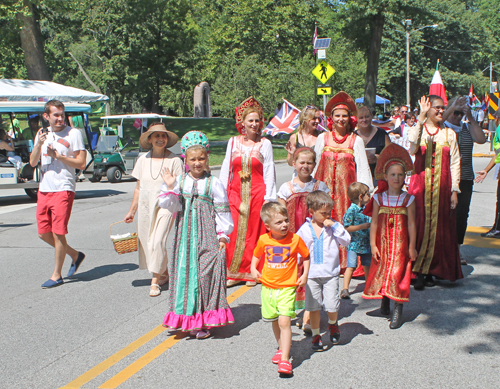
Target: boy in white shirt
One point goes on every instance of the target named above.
(322, 237)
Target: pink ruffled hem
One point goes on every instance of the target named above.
(199, 321)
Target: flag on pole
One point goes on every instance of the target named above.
(315, 36)
(437, 86)
(285, 122)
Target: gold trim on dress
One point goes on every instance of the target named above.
(244, 211)
(337, 150)
(432, 192)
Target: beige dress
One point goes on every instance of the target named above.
(153, 223)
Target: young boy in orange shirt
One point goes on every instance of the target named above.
(279, 277)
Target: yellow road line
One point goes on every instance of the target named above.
(115, 358)
(472, 238)
(136, 366)
(130, 370)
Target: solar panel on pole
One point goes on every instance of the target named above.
(322, 43)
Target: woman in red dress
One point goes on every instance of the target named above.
(249, 178)
(435, 186)
(341, 157)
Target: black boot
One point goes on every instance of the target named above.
(429, 281)
(397, 317)
(419, 285)
(385, 306)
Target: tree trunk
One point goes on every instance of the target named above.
(373, 60)
(32, 44)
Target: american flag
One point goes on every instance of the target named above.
(285, 122)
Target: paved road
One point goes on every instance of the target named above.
(101, 329)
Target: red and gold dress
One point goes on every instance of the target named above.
(337, 169)
(437, 174)
(249, 176)
(391, 276)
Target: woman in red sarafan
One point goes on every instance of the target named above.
(341, 158)
(249, 178)
(435, 186)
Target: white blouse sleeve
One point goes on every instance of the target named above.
(454, 160)
(224, 170)
(170, 199)
(269, 172)
(415, 137)
(223, 221)
(284, 191)
(341, 235)
(363, 172)
(323, 187)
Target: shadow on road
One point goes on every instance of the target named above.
(89, 194)
(464, 305)
(15, 225)
(102, 271)
(244, 316)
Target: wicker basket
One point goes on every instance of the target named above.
(125, 245)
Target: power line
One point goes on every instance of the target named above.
(451, 51)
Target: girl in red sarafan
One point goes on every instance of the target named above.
(392, 235)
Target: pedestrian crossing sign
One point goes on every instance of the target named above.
(324, 90)
(323, 71)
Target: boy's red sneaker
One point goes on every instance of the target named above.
(277, 357)
(334, 333)
(285, 367)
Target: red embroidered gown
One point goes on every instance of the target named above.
(337, 168)
(391, 276)
(246, 197)
(435, 220)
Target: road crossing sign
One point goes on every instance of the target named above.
(324, 90)
(323, 71)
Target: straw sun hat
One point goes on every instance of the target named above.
(143, 140)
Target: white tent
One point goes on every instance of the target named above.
(33, 90)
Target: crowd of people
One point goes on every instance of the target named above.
(357, 204)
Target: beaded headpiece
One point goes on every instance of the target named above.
(390, 155)
(194, 138)
(249, 102)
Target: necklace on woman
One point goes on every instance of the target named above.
(337, 140)
(246, 175)
(437, 130)
(151, 166)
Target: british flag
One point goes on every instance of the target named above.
(285, 122)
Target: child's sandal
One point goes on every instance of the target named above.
(277, 357)
(285, 367)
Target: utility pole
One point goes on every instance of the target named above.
(408, 24)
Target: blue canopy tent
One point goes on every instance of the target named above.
(378, 100)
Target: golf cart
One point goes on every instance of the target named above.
(112, 159)
(29, 177)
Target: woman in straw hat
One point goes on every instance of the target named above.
(341, 157)
(154, 223)
(249, 178)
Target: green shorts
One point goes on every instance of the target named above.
(278, 302)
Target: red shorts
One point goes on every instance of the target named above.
(53, 210)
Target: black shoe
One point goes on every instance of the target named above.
(385, 306)
(491, 234)
(317, 344)
(397, 317)
(419, 285)
(429, 281)
(334, 333)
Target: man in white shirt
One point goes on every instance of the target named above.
(61, 150)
